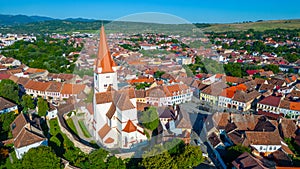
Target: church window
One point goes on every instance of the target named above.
(105, 85)
(107, 76)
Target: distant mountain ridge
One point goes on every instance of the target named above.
(24, 19)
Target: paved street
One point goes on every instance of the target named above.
(198, 111)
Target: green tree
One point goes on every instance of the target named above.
(163, 160)
(158, 74)
(115, 163)
(42, 107)
(95, 160)
(191, 157)
(27, 102)
(9, 90)
(5, 120)
(233, 69)
(40, 157)
(149, 118)
(182, 156)
(274, 68)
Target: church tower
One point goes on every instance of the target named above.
(105, 73)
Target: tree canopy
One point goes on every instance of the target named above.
(173, 154)
(149, 118)
(9, 90)
(37, 158)
(42, 107)
(27, 102)
(5, 120)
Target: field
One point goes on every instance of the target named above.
(259, 26)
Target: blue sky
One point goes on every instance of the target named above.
(217, 11)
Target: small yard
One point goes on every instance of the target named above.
(72, 125)
(84, 130)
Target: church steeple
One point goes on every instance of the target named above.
(105, 75)
(104, 60)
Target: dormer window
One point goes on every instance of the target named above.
(13, 126)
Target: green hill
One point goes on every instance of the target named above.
(258, 26)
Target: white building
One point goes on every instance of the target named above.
(114, 122)
(149, 47)
(7, 106)
(169, 95)
(184, 60)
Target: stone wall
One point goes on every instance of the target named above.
(84, 148)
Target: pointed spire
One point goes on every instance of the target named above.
(104, 59)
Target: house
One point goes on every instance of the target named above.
(269, 104)
(279, 83)
(149, 47)
(246, 160)
(140, 96)
(184, 60)
(295, 95)
(266, 74)
(242, 100)
(7, 106)
(52, 112)
(54, 90)
(169, 94)
(225, 98)
(211, 93)
(27, 134)
(234, 80)
(286, 90)
(266, 88)
(263, 142)
(175, 123)
(9, 62)
(36, 88)
(287, 128)
(34, 73)
(69, 90)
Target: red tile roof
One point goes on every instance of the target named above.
(72, 88)
(4, 76)
(38, 86)
(271, 101)
(130, 127)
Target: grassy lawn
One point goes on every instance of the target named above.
(71, 125)
(84, 129)
(62, 145)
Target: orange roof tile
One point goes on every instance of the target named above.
(130, 127)
(38, 86)
(141, 80)
(109, 140)
(104, 59)
(34, 70)
(72, 88)
(104, 131)
(295, 106)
